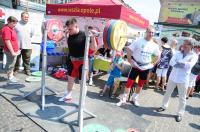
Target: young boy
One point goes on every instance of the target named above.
(11, 48)
(115, 73)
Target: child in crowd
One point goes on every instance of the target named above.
(194, 73)
(11, 48)
(115, 73)
(163, 64)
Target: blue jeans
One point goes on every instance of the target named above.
(91, 63)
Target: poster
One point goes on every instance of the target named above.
(180, 12)
(178, 33)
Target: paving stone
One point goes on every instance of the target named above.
(149, 100)
(12, 120)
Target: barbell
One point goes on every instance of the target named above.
(114, 33)
(117, 29)
(54, 29)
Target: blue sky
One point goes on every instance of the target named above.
(147, 8)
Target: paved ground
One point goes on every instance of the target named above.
(143, 118)
(165, 122)
(12, 120)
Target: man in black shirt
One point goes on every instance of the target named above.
(76, 44)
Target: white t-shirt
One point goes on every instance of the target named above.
(25, 31)
(143, 51)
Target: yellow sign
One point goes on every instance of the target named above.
(94, 11)
(180, 12)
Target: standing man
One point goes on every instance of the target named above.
(142, 54)
(91, 54)
(182, 63)
(24, 32)
(76, 43)
(11, 48)
(194, 73)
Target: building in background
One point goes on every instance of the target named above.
(179, 19)
(36, 9)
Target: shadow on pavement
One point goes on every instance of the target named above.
(196, 95)
(53, 99)
(50, 114)
(105, 98)
(99, 83)
(145, 111)
(193, 110)
(12, 86)
(174, 93)
(136, 110)
(194, 126)
(49, 99)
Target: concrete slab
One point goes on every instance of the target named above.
(109, 115)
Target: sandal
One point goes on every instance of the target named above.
(101, 93)
(113, 96)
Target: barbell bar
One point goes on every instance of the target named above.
(114, 34)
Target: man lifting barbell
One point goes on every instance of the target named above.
(142, 54)
(76, 44)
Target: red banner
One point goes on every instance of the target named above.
(98, 8)
(101, 11)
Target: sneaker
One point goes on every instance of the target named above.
(121, 102)
(113, 96)
(28, 73)
(13, 80)
(90, 83)
(62, 99)
(136, 103)
(65, 97)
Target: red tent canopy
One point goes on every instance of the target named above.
(112, 9)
